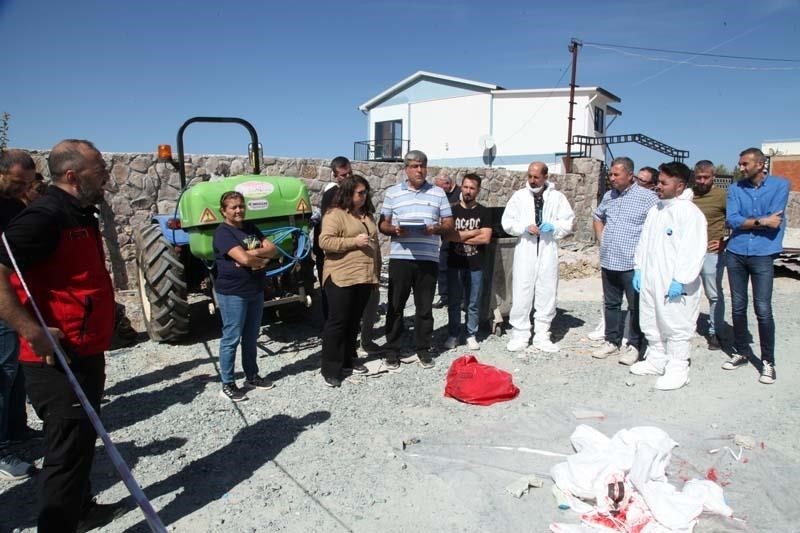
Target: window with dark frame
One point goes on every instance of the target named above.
(599, 120)
(389, 139)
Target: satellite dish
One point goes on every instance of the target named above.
(486, 142)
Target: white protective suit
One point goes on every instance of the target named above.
(672, 246)
(535, 271)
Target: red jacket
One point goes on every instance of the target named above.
(73, 291)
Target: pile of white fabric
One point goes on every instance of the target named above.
(624, 478)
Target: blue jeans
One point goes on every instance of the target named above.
(12, 391)
(711, 276)
(617, 284)
(460, 280)
(759, 271)
(241, 319)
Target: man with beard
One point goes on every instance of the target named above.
(58, 249)
(539, 215)
(17, 176)
(453, 192)
(473, 231)
(711, 200)
(754, 212)
(667, 266)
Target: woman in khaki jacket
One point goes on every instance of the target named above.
(349, 239)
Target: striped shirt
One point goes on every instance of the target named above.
(623, 214)
(413, 210)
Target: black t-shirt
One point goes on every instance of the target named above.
(325, 204)
(469, 256)
(232, 278)
(9, 208)
(35, 232)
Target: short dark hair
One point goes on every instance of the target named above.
(474, 177)
(704, 164)
(11, 157)
(676, 169)
(653, 173)
(415, 155)
(626, 162)
(66, 155)
(339, 162)
(228, 196)
(344, 195)
(759, 155)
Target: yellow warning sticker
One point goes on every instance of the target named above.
(207, 216)
(302, 206)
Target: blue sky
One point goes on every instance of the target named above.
(127, 74)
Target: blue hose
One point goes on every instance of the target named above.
(303, 247)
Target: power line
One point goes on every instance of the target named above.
(690, 64)
(684, 52)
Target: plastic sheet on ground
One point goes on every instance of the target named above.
(479, 460)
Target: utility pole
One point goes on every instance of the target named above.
(574, 45)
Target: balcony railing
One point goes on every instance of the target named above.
(388, 150)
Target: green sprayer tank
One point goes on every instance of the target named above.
(271, 202)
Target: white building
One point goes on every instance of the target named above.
(465, 123)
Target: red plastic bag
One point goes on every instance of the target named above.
(469, 381)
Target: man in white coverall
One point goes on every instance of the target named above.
(539, 215)
(667, 267)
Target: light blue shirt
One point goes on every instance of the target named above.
(746, 201)
(414, 210)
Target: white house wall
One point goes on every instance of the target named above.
(385, 113)
(525, 127)
(449, 129)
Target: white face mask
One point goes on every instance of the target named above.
(535, 190)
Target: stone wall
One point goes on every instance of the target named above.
(141, 187)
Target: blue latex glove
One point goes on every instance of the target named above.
(675, 290)
(547, 228)
(637, 280)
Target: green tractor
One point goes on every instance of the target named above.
(175, 256)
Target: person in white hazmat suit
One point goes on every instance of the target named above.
(539, 215)
(667, 266)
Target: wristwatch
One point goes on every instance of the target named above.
(757, 222)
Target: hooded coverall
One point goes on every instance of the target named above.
(672, 247)
(535, 271)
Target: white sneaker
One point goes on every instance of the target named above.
(599, 333)
(450, 343)
(629, 356)
(472, 343)
(517, 344)
(673, 379)
(545, 345)
(605, 350)
(647, 368)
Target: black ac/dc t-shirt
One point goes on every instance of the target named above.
(468, 256)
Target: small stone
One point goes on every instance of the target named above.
(745, 441)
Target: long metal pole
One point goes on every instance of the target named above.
(574, 44)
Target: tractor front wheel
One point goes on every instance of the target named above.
(163, 291)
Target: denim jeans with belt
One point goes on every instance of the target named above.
(759, 270)
(460, 280)
(711, 275)
(241, 320)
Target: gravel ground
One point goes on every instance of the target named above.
(303, 457)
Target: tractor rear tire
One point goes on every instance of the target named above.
(163, 290)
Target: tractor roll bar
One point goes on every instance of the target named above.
(253, 139)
